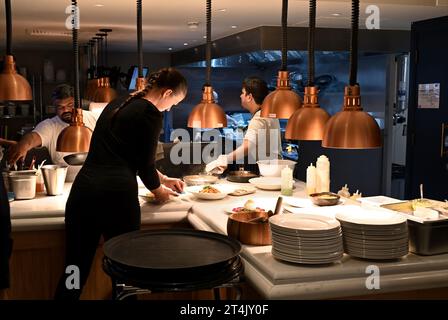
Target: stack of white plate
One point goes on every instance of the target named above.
(376, 235)
(306, 238)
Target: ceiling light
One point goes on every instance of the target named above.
(170, 49)
(222, 10)
(282, 102)
(234, 27)
(185, 44)
(193, 25)
(99, 5)
(308, 122)
(207, 114)
(13, 86)
(336, 14)
(352, 128)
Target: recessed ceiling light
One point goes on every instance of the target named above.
(336, 14)
(234, 27)
(99, 5)
(222, 10)
(170, 49)
(205, 37)
(185, 43)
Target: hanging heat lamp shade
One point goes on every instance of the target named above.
(282, 102)
(207, 114)
(308, 122)
(76, 137)
(104, 93)
(13, 87)
(352, 128)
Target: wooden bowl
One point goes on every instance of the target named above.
(253, 233)
(325, 198)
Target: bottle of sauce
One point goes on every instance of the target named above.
(287, 182)
(311, 179)
(322, 174)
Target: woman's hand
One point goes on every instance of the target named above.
(163, 193)
(174, 184)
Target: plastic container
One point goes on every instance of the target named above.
(273, 168)
(429, 238)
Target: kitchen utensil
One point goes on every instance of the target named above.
(54, 178)
(76, 159)
(421, 191)
(153, 251)
(199, 179)
(273, 168)
(325, 198)
(249, 227)
(23, 184)
(278, 205)
(241, 175)
(31, 167)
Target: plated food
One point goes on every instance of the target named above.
(208, 192)
(325, 198)
(243, 191)
(249, 206)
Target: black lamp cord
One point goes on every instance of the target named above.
(8, 27)
(76, 54)
(284, 35)
(139, 38)
(311, 31)
(208, 48)
(354, 43)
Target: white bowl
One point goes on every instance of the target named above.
(273, 168)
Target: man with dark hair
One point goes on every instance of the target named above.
(46, 132)
(261, 132)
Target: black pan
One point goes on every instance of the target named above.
(76, 159)
(171, 250)
(241, 176)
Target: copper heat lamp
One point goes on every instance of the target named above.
(207, 114)
(104, 92)
(13, 87)
(76, 137)
(352, 128)
(282, 102)
(308, 122)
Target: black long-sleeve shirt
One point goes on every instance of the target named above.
(5, 239)
(124, 144)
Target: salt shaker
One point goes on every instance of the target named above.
(287, 182)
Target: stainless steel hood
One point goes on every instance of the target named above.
(269, 38)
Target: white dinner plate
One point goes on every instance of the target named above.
(304, 222)
(223, 188)
(370, 217)
(267, 183)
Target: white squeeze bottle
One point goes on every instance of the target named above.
(287, 182)
(311, 179)
(322, 174)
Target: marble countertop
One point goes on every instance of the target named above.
(276, 279)
(47, 212)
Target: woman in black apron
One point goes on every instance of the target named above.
(103, 200)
